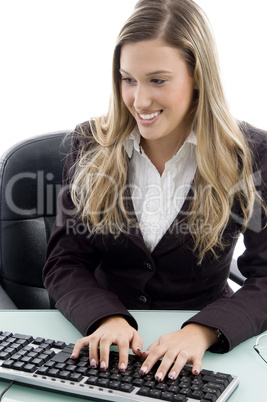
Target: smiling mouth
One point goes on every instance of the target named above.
(149, 116)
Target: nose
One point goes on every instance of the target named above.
(142, 97)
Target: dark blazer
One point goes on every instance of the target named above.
(91, 277)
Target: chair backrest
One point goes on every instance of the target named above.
(30, 178)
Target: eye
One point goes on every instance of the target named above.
(157, 81)
(128, 81)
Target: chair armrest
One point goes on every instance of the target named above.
(235, 274)
(5, 302)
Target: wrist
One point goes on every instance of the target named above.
(208, 333)
(111, 318)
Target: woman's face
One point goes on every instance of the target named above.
(157, 89)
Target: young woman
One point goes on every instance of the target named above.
(155, 196)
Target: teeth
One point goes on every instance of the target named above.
(149, 116)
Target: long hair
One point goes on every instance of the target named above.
(224, 160)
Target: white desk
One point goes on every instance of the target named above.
(51, 324)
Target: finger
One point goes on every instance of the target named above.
(105, 343)
(180, 362)
(93, 351)
(123, 346)
(80, 344)
(165, 365)
(153, 356)
(197, 364)
(137, 344)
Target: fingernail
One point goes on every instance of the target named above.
(93, 363)
(172, 375)
(103, 366)
(122, 368)
(196, 372)
(143, 370)
(159, 377)
(73, 356)
(139, 350)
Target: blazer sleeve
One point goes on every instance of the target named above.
(69, 272)
(244, 314)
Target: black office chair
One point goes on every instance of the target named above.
(30, 178)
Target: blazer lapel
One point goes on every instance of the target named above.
(178, 233)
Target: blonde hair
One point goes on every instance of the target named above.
(99, 186)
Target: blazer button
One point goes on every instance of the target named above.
(142, 299)
(148, 266)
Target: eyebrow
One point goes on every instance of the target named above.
(150, 74)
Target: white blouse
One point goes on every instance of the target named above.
(158, 199)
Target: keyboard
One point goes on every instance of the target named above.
(46, 364)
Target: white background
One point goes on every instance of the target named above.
(55, 68)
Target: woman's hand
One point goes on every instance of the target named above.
(187, 345)
(113, 330)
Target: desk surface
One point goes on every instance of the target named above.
(242, 361)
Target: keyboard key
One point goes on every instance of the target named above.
(64, 375)
(53, 372)
(71, 368)
(38, 340)
(179, 398)
(15, 356)
(138, 382)
(217, 380)
(42, 370)
(7, 334)
(93, 372)
(77, 377)
(211, 390)
(167, 396)
(61, 357)
(143, 391)
(8, 363)
(60, 366)
(4, 355)
(174, 388)
(29, 368)
(104, 374)
(150, 384)
(128, 379)
(126, 387)
(83, 370)
(38, 362)
(227, 377)
(219, 387)
(103, 382)
(92, 380)
(50, 364)
(210, 397)
(162, 386)
(27, 338)
(18, 365)
(186, 391)
(113, 384)
(197, 394)
(26, 359)
(49, 342)
(59, 345)
(155, 393)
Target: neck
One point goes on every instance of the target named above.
(159, 152)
